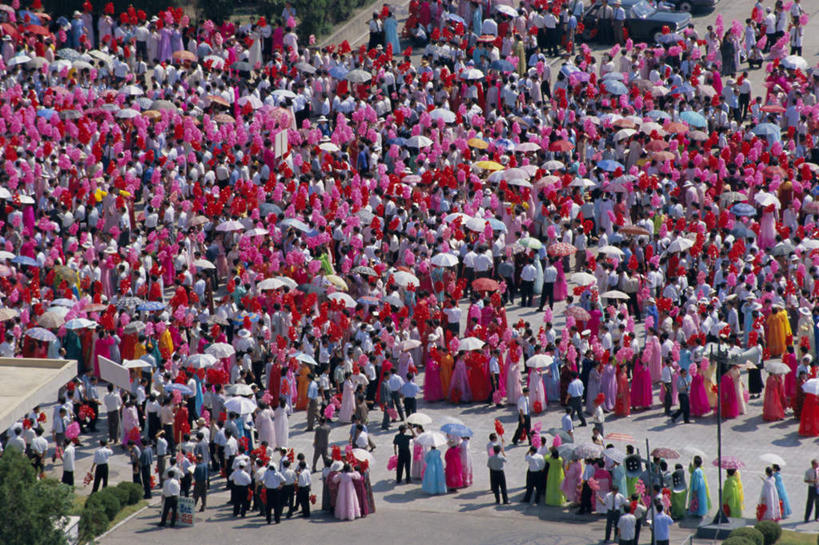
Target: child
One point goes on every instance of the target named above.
(599, 417)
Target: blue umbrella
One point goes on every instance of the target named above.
(250, 315)
(45, 112)
(505, 143)
(181, 388)
(296, 224)
(455, 18)
(33, 19)
(25, 260)
(694, 119)
(615, 87)
(741, 230)
(151, 306)
(743, 209)
(457, 429)
(614, 75)
(338, 72)
(502, 65)
(497, 225)
(609, 165)
(657, 115)
(768, 130)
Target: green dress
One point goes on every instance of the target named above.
(631, 484)
(733, 496)
(554, 496)
(679, 503)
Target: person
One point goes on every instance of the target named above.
(200, 482)
(113, 404)
(575, 392)
(146, 460)
(240, 483)
(303, 491)
(288, 494)
(626, 526)
(347, 506)
(454, 468)
(683, 389)
(434, 480)
(161, 455)
(38, 449)
(613, 503)
(534, 475)
(170, 498)
(679, 492)
(773, 405)
(321, 441)
(313, 403)
(68, 462)
(662, 524)
(524, 419)
(554, 478)
(273, 483)
(497, 476)
(409, 390)
(134, 454)
(699, 499)
(100, 465)
(768, 507)
(401, 448)
(780, 489)
(733, 496)
(812, 480)
(566, 423)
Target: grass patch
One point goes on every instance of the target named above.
(127, 511)
(77, 504)
(789, 537)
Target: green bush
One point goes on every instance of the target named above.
(121, 494)
(134, 493)
(106, 499)
(770, 531)
(751, 534)
(737, 540)
(93, 522)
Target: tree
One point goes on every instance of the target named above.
(30, 508)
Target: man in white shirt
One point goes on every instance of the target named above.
(68, 462)
(100, 465)
(304, 482)
(240, 480)
(524, 418)
(453, 318)
(547, 292)
(626, 526)
(613, 502)
(273, 482)
(113, 403)
(527, 283)
(39, 447)
(534, 475)
(170, 497)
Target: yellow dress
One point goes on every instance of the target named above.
(303, 382)
(447, 363)
(165, 344)
(779, 329)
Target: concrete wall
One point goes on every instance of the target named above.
(26, 382)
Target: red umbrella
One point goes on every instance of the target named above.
(561, 249)
(38, 29)
(620, 437)
(773, 109)
(9, 30)
(578, 313)
(657, 145)
(729, 462)
(668, 453)
(485, 284)
(561, 146)
(676, 128)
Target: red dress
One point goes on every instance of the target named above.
(622, 406)
(809, 419)
(773, 408)
(181, 426)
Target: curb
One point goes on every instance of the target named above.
(120, 523)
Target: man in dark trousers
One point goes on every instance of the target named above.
(524, 418)
(321, 441)
(170, 496)
(683, 389)
(812, 480)
(146, 460)
(401, 448)
(273, 482)
(497, 477)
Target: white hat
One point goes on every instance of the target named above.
(804, 311)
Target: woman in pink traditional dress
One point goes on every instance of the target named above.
(561, 288)
(130, 424)
(454, 468)
(433, 391)
(571, 481)
(347, 399)
(767, 228)
(537, 393)
(773, 406)
(459, 385)
(466, 461)
(622, 406)
(347, 507)
(418, 452)
(653, 357)
(730, 405)
(700, 405)
(641, 387)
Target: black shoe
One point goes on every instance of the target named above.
(582, 425)
(162, 524)
(505, 502)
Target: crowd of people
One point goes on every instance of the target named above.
(253, 226)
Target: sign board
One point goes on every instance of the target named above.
(280, 143)
(116, 374)
(185, 507)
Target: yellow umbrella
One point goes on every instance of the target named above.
(337, 281)
(477, 143)
(153, 115)
(489, 165)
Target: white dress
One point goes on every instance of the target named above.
(266, 427)
(281, 426)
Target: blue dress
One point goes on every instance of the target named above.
(618, 478)
(434, 478)
(783, 495)
(391, 35)
(699, 494)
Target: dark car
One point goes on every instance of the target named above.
(644, 22)
(690, 6)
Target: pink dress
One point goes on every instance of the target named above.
(730, 404)
(767, 230)
(347, 507)
(641, 387)
(433, 390)
(347, 402)
(418, 464)
(513, 387)
(561, 288)
(571, 481)
(459, 385)
(653, 357)
(466, 462)
(454, 468)
(700, 405)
